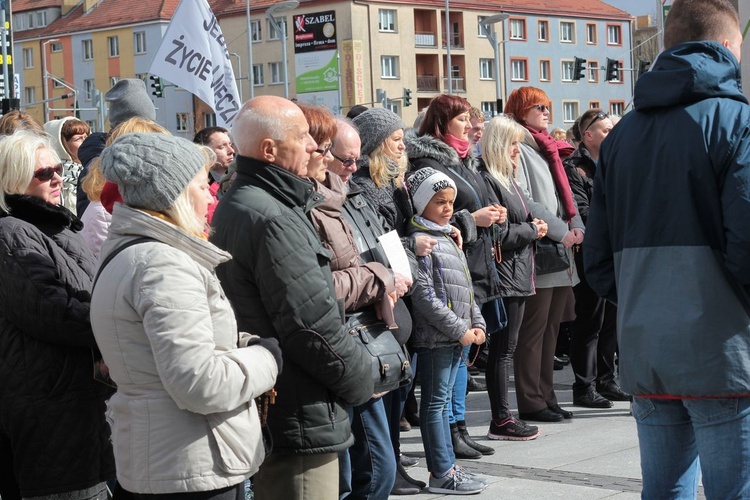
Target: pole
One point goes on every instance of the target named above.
(338, 72)
(284, 59)
(44, 81)
(4, 34)
(448, 61)
(249, 51)
(504, 73)
(239, 72)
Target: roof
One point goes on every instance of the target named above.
(107, 14)
(24, 5)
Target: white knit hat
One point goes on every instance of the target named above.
(424, 184)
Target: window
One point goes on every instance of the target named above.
(29, 94)
(488, 108)
(593, 71)
(617, 108)
(28, 58)
(276, 75)
(388, 66)
(567, 32)
(486, 69)
(56, 84)
(55, 47)
(517, 29)
(113, 43)
(393, 106)
(88, 50)
(594, 104)
(144, 77)
(570, 111)
(542, 29)
(483, 30)
(113, 81)
(31, 21)
(182, 121)
(41, 19)
(387, 20)
(518, 70)
(257, 75)
(93, 124)
(614, 34)
(567, 69)
(255, 27)
(139, 42)
(272, 33)
(545, 72)
(591, 34)
(88, 89)
(209, 119)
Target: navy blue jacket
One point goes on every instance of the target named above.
(668, 234)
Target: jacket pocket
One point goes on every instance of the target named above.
(237, 437)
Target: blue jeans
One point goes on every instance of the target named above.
(677, 437)
(373, 462)
(437, 376)
(457, 408)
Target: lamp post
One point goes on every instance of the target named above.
(250, 81)
(448, 61)
(282, 8)
(487, 23)
(239, 72)
(44, 77)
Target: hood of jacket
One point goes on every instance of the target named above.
(128, 222)
(54, 128)
(687, 73)
(428, 146)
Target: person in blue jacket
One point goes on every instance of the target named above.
(668, 240)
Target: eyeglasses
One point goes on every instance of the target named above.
(47, 173)
(323, 152)
(541, 107)
(599, 116)
(345, 163)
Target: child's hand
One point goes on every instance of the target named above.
(469, 337)
(479, 336)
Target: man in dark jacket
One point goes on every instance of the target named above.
(593, 334)
(279, 283)
(668, 240)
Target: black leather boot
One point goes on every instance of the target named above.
(404, 484)
(460, 448)
(484, 450)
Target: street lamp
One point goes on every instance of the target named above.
(249, 51)
(44, 77)
(239, 72)
(282, 8)
(487, 23)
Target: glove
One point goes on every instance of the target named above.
(270, 344)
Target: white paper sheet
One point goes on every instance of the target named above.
(394, 250)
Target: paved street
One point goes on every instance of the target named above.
(594, 455)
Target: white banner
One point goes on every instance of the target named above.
(194, 56)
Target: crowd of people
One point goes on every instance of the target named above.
(192, 318)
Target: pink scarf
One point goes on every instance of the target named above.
(552, 150)
(460, 145)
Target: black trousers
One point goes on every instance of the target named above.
(502, 347)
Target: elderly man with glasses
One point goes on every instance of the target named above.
(593, 334)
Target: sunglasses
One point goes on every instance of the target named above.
(599, 116)
(345, 163)
(323, 152)
(47, 173)
(541, 107)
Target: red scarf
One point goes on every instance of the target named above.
(460, 145)
(552, 150)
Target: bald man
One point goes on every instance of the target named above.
(279, 283)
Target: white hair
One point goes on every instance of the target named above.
(19, 155)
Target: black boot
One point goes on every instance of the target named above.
(484, 450)
(404, 484)
(460, 448)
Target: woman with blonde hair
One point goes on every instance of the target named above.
(96, 218)
(500, 147)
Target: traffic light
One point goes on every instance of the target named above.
(613, 71)
(407, 97)
(579, 68)
(643, 66)
(158, 86)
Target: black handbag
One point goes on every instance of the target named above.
(391, 366)
(551, 256)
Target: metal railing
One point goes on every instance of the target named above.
(457, 84)
(425, 39)
(427, 83)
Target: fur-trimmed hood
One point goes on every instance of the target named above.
(428, 146)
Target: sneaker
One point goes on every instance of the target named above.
(512, 430)
(466, 472)
(454, 483)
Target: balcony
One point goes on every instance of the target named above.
(427, 83)
(458, 84)
(425, 40)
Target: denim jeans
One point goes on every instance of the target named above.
(373, 461)
(437, 376)
(677, 437)
(457, 408)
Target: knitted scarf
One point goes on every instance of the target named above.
(551, 150)
(460, 145)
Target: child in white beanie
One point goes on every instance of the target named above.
(446, 317)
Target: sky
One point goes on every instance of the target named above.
(635, 7)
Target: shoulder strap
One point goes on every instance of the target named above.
(130, 243)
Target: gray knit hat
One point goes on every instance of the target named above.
(375, 125)
(151, 170)
(129, 98)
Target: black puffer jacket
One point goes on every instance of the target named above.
(51, 408)
(428, 151)
(279, 283)
(580, 168)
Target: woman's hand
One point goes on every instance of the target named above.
(468, 338)
(456, 235)
(402, 284)
(485, 217)
(503, 214)
(541, 228)
(579, 235)
(570, 239)
(423, 245)
(479, 336)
